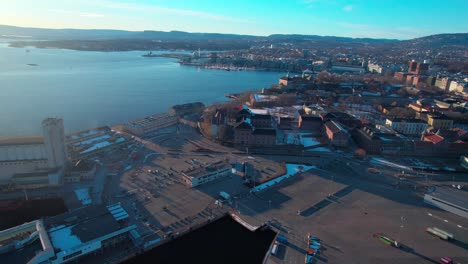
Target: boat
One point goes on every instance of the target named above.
(149, 54)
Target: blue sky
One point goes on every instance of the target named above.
(402, 19)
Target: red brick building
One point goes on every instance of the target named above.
(337, 135)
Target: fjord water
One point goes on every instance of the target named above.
(90, 89)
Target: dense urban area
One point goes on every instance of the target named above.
(358, 154)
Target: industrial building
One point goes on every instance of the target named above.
(34, 161)
(69, 236)
(93, 141)
(150, 124)
(451, 200)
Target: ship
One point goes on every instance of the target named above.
(149, 54)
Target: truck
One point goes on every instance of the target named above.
(437, 233)
(225, 195)
(449, 235)
(389, 241)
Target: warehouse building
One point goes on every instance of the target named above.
(150, 124)
(34, 161)
(67, 237)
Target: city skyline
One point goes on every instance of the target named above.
(310, 17)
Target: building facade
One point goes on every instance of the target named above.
(200, 175)
(336, 134)
(407, 126)
(439, 121)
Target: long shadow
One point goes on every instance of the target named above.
(411, 251)
(315, 208)
(298, 249)
(460, 244)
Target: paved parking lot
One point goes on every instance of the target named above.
(339, 202)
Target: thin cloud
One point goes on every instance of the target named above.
(167, 10)
(81, 14)
(372, 31)
(348, 8)
(91, 15)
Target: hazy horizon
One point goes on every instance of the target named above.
(346, 18)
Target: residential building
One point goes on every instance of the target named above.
(401, 76)
(418, 67)
(242, 132)
(407, 126)
(311, 123)
(263, 137)
(377, 139)
(345, 119)
(336, 134)
(443, 83)
(261, 121)
(439, 121)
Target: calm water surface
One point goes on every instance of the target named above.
(90, 89)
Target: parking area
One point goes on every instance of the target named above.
(347, 220)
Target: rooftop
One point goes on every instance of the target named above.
(80, 226)
(261, 131)
(29, 140)
(407, 120)
(202, 169)
(334, 126)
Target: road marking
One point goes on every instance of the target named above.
(445, 220)
(459, 226)
(429, 214)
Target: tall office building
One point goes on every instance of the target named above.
(54, 140)
(417, 67)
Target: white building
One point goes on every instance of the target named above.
(413, 127)
(199, 175)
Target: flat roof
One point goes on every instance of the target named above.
(201, 170)
(453, 196)
(80, 226)
(28, 140)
